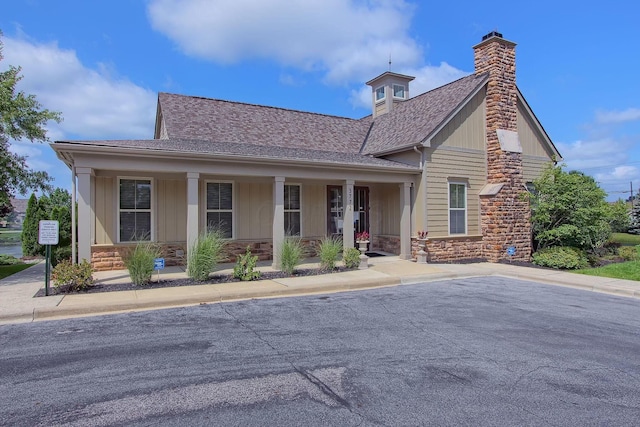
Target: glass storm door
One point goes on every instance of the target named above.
(335, 210)
(361, 210)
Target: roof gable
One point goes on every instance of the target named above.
(414, 120)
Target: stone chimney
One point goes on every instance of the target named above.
(387, 90)
(506, 226)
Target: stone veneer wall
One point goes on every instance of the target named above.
(111, 257)
(505, 216)
(448, 249)
(385, 243)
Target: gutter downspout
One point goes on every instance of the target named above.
(73, 215)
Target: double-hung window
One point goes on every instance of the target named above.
(134, 209)
(292, 209)
(457, 208)
(380, 93)
(220, 208)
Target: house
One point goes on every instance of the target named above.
(453, 161)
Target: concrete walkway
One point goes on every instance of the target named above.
(18, 305)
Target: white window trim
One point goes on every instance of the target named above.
(404, 91)
(449, 208)
(295, 210)
(152, 207)
(375, 94)
(233, 204)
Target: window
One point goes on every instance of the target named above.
(399, 91)
(220, 208)
(292, 209)
(380, 93)
(457, 208)
(134, 209)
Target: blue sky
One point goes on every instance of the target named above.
(101, 63)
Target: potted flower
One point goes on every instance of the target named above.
(422, 242)
(363, 240)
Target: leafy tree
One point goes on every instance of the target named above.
(30, 246)
(569, 209)
(620, 218)
(21, 116)
(634, 228)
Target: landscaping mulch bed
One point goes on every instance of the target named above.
(215, 278)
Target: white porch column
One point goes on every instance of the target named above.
(192, 209)
(84, 213)
(278, 219)
(347, 225)
(405, 220)
(74, 238)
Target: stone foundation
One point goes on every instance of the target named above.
(447, 249)
(105, 258)
(385, 243)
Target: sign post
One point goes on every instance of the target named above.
(158, 264)
(48, 234)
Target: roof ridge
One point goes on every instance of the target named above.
(260, 106)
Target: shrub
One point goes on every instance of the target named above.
(351, 258)
(8, 260)
(329, 250)
(290, 254)
(629, 253)
(205, 253)
(77, 277)
(245, 268)
(563, 257)
(59, 254)
(140, 262)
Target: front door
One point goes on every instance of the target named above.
(335, 210)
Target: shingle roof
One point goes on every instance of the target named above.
(243, 150)
(411, 121)
(195, 118)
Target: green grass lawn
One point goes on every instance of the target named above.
(10, 236)
(8, 270)
(625, 239)
(629, 270)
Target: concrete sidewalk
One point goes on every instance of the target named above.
(18, 305)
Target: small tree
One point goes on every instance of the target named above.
(30, 246)
(569, 209)
(620, 217)
(634, 228)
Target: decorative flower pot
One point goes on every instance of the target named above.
(422, 255)
(363, 245)
(364, 259)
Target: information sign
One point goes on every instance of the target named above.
(48, 232)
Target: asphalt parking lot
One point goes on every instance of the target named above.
(478, 351)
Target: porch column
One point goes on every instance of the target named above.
(347, 225)
(74, 237)
(192, 209)
(405, 220)
(278, 219)
(84, 213)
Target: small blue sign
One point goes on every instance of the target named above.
(511, 250)
(158, 264)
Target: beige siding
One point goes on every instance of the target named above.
(466, 129)
(171, 210)
(448, 165)
(384, 209)
(532, 140)
(314, 210)
(532, 167)
(409, 157)
(106, 206)
(254, 210)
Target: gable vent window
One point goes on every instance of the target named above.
(292, 209)
(220, 208)
(399, 91)
(134, 210)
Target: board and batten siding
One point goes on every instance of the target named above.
(254, 210)
(171, 210)
(465, 129)
(105, 208)
(384, 209)
(314, 210)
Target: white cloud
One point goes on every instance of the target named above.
(345, 39)
(426, 78)
(615, 117)
(94, 103)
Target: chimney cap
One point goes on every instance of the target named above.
(491, 34)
